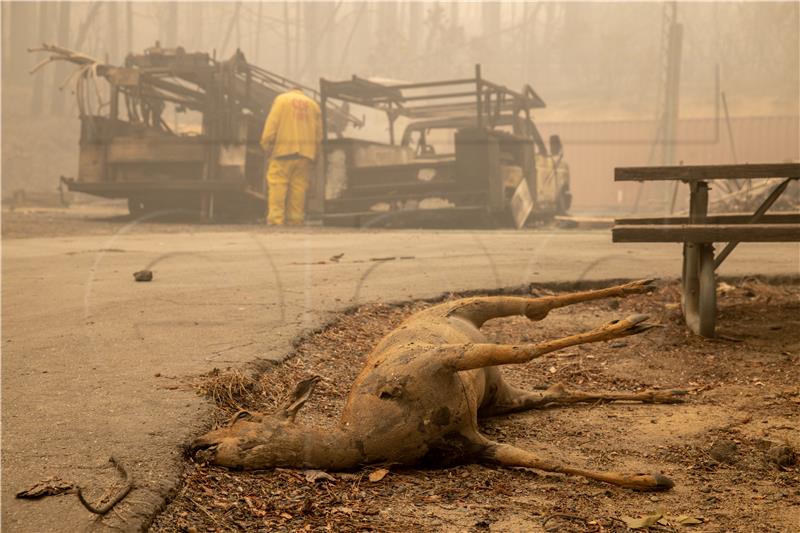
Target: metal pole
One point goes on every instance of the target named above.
(258, 32)
(286, 39)
(671, 111)
(479, 91)
(730, 130)
(390, 113)
(323, 96)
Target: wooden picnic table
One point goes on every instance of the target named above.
(699, 231)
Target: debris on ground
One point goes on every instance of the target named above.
(143, 275)
(724, 451)
(782, 455)
(377, 475)
(744, 392)
(313, 476)
(50, 487)
(55, 486)
(659, 518)
(232, 389)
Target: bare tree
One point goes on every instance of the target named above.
(112, 32)
(129, 27)
(62, 69)
(170, 33)
(37, 98)
(415, 17)
(311, 30)
(22, 19)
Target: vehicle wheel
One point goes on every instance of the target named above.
(136, 207)
(563, 201)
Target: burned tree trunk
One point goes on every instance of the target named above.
(37, 98)
(83, 31)
(311, 29)
(21, 18)
(128, 27)
(57, 107)
(112, 32)
(170, 32)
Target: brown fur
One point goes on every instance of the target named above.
(421, 391)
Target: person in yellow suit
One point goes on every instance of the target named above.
(291, 139)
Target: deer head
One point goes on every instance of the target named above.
(256, 440)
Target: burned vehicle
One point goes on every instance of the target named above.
(470, 151)
(175, 131)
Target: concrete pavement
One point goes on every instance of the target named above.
(92, 361)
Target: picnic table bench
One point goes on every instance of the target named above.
(699, 231)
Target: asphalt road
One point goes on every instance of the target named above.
(94, 364)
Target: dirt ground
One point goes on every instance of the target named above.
(728, 447)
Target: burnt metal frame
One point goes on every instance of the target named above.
(698, 278)
(487, 100)
(219, 90)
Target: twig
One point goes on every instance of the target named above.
(206, 511)
(114, 501)
(568, 517)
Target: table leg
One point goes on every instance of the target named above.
(707, 292)
(699, 299)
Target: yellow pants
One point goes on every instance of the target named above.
(288, 175)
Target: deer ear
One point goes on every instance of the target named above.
(302, 392)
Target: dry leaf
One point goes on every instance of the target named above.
(221, 504)
(686, 520)
(643, 522)
(378, 475)
(254, 510)
(313, 476)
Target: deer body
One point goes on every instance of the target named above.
(419, 395)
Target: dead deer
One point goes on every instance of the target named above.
(418, 398)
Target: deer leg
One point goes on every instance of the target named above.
(480, 355)
(504, 454)
(513, 400)
(479, 310)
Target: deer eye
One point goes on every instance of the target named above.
(243, 415)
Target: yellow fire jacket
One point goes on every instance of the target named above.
(293, 127)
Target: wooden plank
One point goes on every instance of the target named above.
(156, 150)
(773, 218)
(707, 233)
(708, 172)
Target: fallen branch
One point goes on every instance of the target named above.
(55, 486)
(116, 499)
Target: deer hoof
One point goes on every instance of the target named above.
(639, 286)
(636, 324)
(646, 482)
(670, 396)
(662, 482)
(652, 482)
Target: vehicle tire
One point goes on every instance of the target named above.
(136, 207)
(563, 201)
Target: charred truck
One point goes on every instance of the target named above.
(172, 130)
(469, 148)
